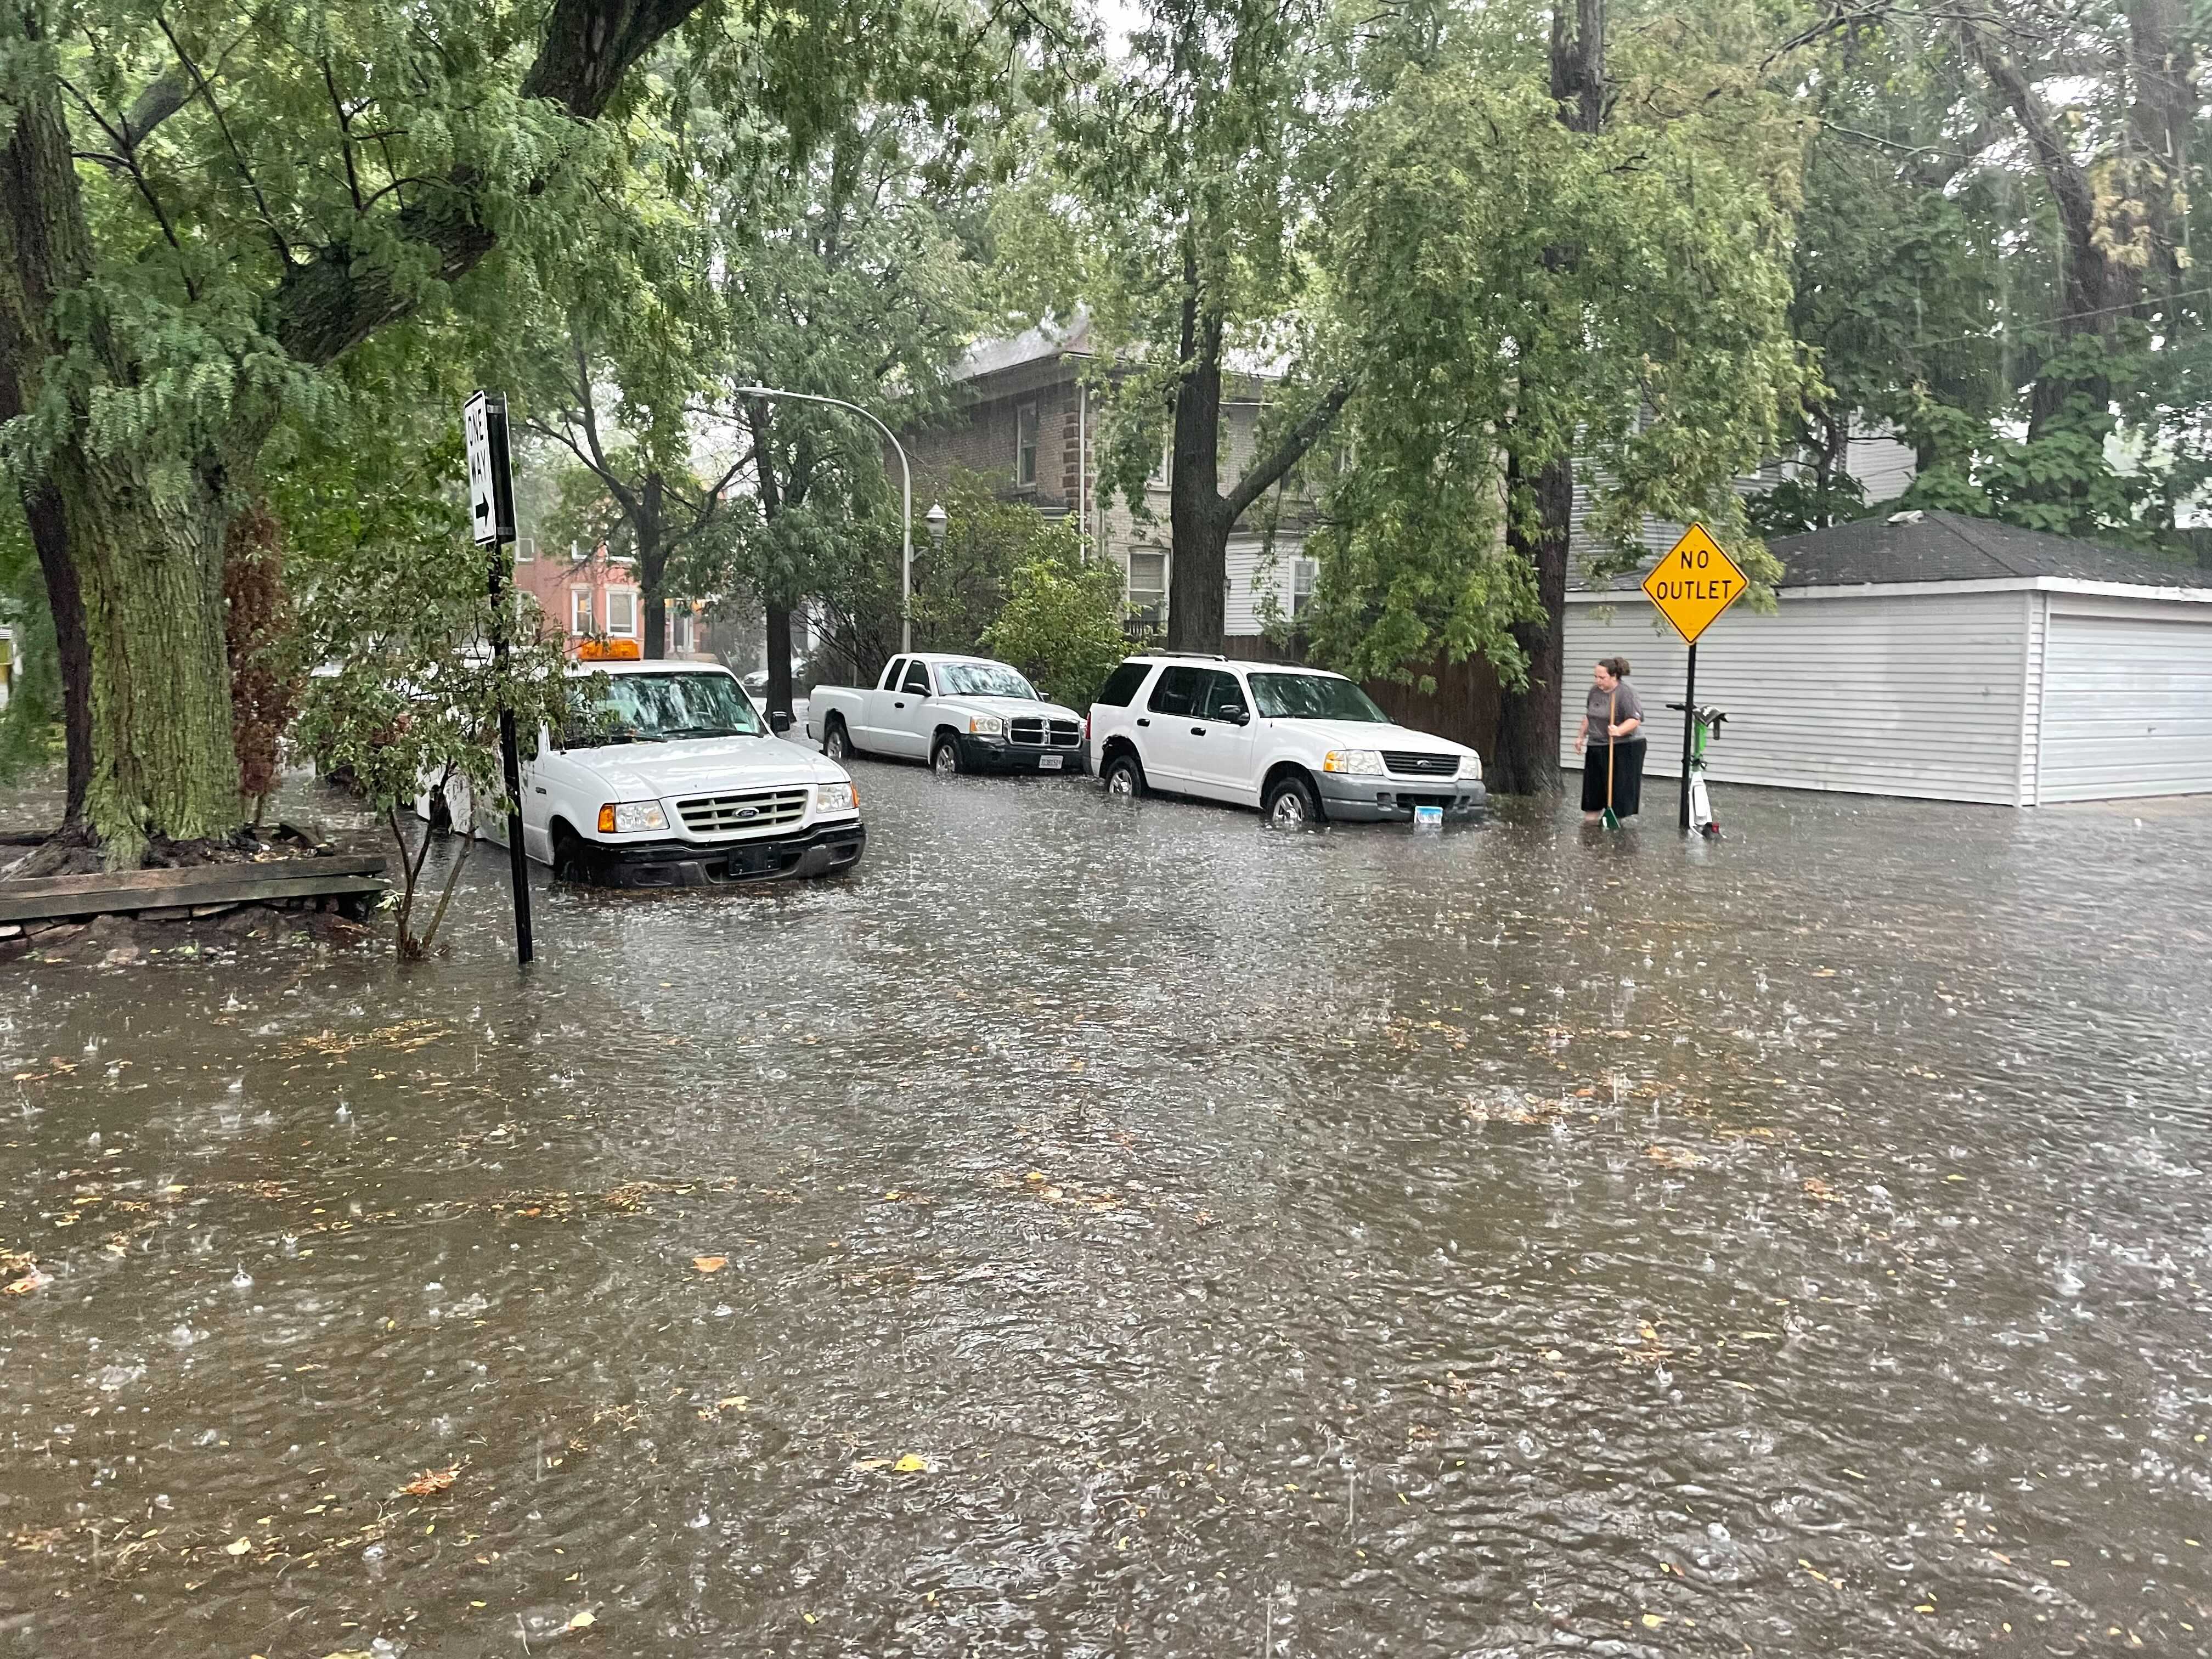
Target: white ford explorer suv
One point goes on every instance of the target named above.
(676, 781)
(959, 714)
(1302, 744)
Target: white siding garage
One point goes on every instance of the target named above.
(1944, 658)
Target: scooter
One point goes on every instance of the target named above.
(1705, 722)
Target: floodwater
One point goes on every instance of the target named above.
(1111, 1228)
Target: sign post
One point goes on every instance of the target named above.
(1692, 585)
(491, 517)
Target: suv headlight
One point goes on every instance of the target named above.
(1470, 765)
(987, 726)
(835, 798)
(1352, 760)
(630, 817)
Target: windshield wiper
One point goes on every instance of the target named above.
(705, 732)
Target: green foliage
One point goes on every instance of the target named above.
(1062, 625)
(1519, 292)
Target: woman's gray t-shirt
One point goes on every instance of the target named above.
(1608, 708)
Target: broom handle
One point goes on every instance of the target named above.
(1612, 715)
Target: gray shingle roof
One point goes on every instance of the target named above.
(1950, 547)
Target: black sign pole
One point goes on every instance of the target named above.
(1689, 721)
(502, 575)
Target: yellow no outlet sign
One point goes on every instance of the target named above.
(1694, 583)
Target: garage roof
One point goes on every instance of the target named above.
(1950, 547)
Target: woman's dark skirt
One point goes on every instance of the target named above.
(1627, 778)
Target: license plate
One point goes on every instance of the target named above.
(1049, 762)
(1428, 817)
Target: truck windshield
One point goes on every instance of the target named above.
(1313, 697)
(655, 708)
(984, 679)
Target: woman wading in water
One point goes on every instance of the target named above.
(1611, 744)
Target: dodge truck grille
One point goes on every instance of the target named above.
(746, 814)
(1407, 764)
(1037, 733)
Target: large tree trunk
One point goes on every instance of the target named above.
(1528, 721)
(779, 657)
(163, 762)
(1198, 519)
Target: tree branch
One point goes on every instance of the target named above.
(1290, 452)
(238, 158)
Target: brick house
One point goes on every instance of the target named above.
(595, 596)
(1026, 417)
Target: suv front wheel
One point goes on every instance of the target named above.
(1290, 803)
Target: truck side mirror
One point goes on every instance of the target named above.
(779, 722)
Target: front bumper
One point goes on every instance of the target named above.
(1385, 800)
(998, 755)
(826, 849)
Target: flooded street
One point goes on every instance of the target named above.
(1109, 1228)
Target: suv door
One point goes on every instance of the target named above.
(1219, 739)
(907, 726)
(1165, 745)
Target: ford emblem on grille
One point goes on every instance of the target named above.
(746, 812)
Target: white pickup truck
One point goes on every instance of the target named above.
(959, 714)
(679, 781)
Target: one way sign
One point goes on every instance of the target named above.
(491, 477)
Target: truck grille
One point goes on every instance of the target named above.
(746, 814)
(1406, 764)
(1060, 734)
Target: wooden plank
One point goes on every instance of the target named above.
(25, 901)
(181, 887)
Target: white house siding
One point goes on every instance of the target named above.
(1252, 575)
(1907, 695)
(2127, 700)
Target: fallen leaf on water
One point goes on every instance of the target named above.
(238, 1547)
(1820, 1191)
(582, 1620)
(430, 1482)
(1652, 1621)
(710, 1264)
(911, 1464)
(1673, 1157)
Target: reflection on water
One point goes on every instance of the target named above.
(1110, 1228)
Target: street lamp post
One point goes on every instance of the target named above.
(905, 498)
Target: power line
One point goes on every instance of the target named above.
(1998, 328)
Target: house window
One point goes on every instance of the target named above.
(525, 549)
(1303, 572)
(1025, 445)
(622, 613)
(1148, 587)
(1163, 469)
(682, 631)
(579, 610)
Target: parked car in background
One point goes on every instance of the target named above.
(959, 714)
(674, 779)
(1302, 744)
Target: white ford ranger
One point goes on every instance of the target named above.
(1302, 744)
(959, 714)
(677, 781)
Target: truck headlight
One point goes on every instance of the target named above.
(835, 798)
(987, 726)
(1470, 765)
(631, 817)
(1352, 760)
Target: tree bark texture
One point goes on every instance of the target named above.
(1528, 721)
(779, 656)
(42, 507)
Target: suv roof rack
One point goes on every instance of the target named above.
(1201, 656)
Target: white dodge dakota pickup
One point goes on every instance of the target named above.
(676, 780)
(959, 714)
